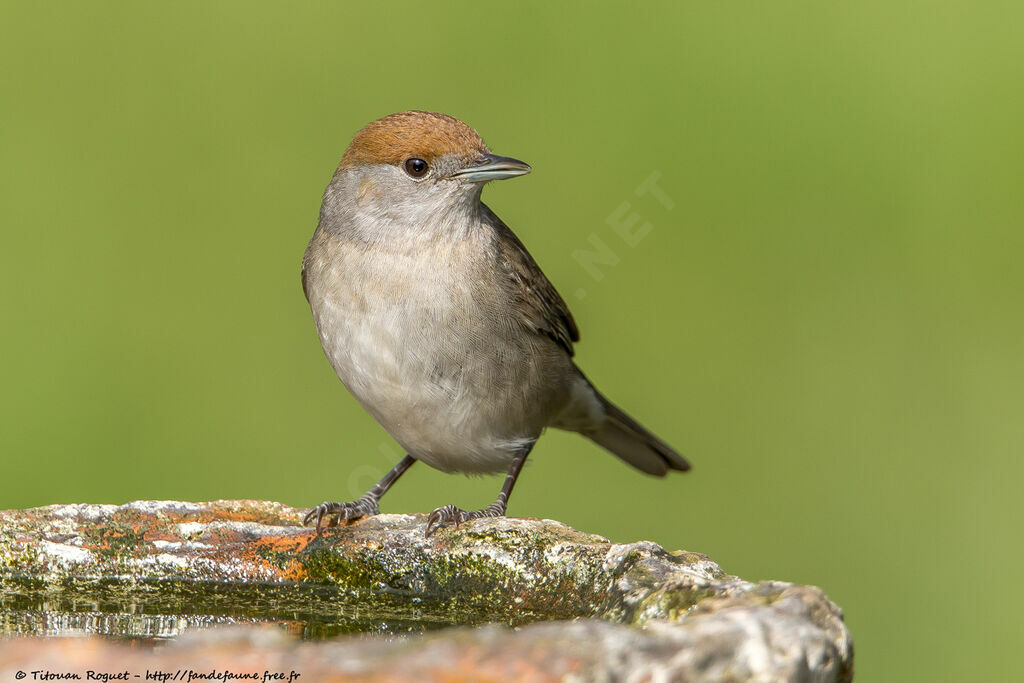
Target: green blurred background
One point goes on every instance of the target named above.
(827, 321)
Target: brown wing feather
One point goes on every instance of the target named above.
(537, 303)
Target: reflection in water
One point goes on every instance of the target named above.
(151, 612)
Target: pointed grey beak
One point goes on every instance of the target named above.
(492, 167)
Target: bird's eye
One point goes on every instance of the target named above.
(416, 167)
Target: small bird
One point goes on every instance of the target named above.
(440, 323)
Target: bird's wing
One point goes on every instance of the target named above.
(537, 304)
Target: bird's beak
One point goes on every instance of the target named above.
(492, 167)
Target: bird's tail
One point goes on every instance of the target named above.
(626, 438)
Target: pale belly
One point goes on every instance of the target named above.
(457, 384)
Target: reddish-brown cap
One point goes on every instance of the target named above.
(424, 134)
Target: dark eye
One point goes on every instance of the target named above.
(416, 167)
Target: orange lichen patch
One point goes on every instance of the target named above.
(240, 511)
(423, 134)
(279, 554)
(111, 538)
(219, 515)
(293, 570)
(282, 544)
(225, 536)
(140, 528)
(160, 535)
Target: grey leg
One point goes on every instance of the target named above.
(365, 506)
(449, 514)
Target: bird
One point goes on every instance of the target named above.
(441, 324)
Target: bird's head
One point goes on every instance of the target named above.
(418, 163)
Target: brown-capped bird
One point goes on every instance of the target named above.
(438, 320)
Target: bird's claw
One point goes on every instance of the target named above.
(449, 514)
(341, 512)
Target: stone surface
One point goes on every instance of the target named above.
(156, 569)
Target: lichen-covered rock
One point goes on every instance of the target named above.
(154, 569)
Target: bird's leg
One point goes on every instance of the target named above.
(449, 514)
(365, 506)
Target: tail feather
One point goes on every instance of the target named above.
(600, 420)
(628, 439)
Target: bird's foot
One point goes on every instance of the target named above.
(449, 514)
(339, 512)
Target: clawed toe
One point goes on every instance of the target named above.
(449, 514)
(318, 512)
(340, 512)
